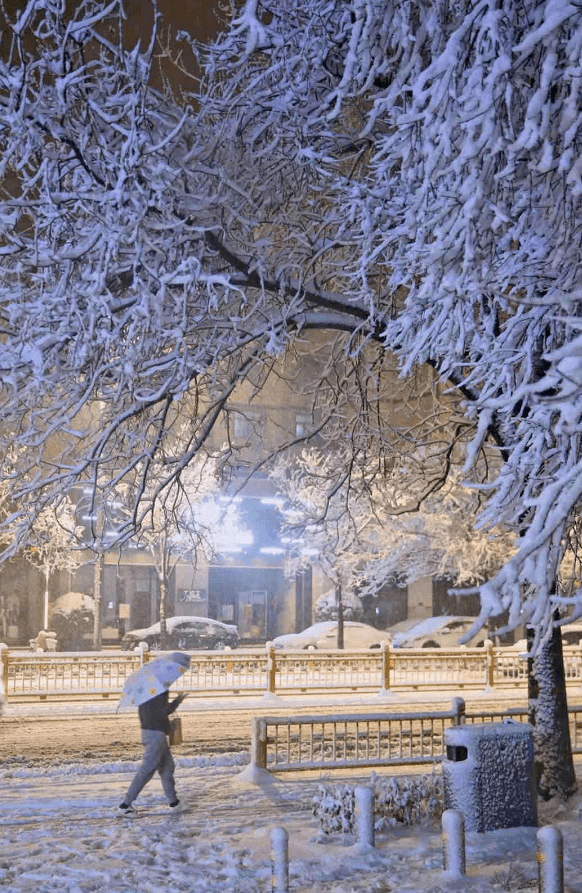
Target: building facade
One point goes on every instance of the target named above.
(246, 584)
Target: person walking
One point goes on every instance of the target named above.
(157, 756)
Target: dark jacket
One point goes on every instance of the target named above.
(153, 714)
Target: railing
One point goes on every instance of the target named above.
(282, 744)
(349, 741)
(103, 674)
(59, 674)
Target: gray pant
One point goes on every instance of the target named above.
(156, 756)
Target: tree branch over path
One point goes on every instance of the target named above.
(405, 173)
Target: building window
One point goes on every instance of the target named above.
(245, 427)
(303, 423)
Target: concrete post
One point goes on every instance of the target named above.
(453, 832)
(279, 860)
(550, 860)
(364, 813)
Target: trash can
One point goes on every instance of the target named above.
(488, 774)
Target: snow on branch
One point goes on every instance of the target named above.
(410, 173)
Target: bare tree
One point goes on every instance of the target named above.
(174, 527)
(415, 519)
(54, 544)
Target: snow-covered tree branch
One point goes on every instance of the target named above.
(53, 544)
(372, 529)
(408, 173)
(173, 527)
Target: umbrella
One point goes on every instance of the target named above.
(153, 678)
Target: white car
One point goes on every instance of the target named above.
(439, 632)
(323, 636)
(571, 635)
(185, 633)
(401, 626)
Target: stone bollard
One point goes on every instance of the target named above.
(550, 860)
(364, 814)
(279, 860)
(453, 830)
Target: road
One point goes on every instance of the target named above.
(110, 738)
(44, 733)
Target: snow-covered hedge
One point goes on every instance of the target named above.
(412, 800)
(72, 620)
(326, 606)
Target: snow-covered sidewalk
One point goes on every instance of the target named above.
(398, 701)
(61, 834)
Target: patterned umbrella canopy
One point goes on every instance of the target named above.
(153, 678)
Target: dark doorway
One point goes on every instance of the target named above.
(231, 599)
(443, 603)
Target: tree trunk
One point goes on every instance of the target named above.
(97, 626)
(46, 610)
(340, 617)
(163, 627)
(548, 713)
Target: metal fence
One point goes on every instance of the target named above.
(102, 674)
(351, 741)
(282, 743)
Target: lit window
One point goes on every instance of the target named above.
(245, 427)
(302, 424)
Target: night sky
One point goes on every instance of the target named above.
(199, 17)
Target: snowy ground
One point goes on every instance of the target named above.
(61, 834)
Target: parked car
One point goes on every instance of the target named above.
(185, 633)
(571, 633)
(401, 626)
(323, 636)
(439, 632)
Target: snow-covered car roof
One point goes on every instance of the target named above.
(574, 625)
(173, 622)
(402, 626)
(318, 629)
(431, 625)
(322, 629)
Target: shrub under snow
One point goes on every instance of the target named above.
(414, 800)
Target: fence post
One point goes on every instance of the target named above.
(259, 743)
(386, 658)
(364, 814)
(143, 651)
(4, 656)
(490, 654)
(271, 669)
(550, 860)
(453, 830)
(280, 860)
(458, 708)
